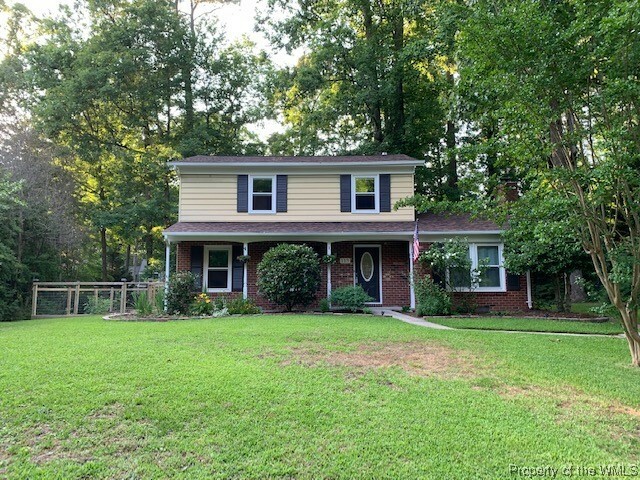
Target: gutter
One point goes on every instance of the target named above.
(292, 164)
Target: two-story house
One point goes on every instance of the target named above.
(235, 208)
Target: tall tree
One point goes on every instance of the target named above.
(364, 82)
(566, 88)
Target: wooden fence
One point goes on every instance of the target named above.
(78, 298)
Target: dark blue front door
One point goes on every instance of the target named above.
(367, 270)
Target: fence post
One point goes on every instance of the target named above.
(123, 298)
(69, 293)
(34, 300)
(76, 303)
(111, 300)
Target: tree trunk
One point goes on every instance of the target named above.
(397, 117)
(103, 247)
(148, 242)
(127, 260)
(374, 104)
(558, 282)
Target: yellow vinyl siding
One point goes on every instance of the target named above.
(311, 198)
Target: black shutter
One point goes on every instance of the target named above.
(385, 192)
(197, 259)
(281, 193)
(243, 193)
(513, 282)
(237, 269)
(345, 193)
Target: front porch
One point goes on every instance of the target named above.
(387, 267)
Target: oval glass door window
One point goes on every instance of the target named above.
(366, 266)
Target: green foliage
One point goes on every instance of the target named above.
(180, 294)
(352, 298)
(323, 305)
(241, 306)
(289, 275)
(202, 305)
(97, 306)
(366, 82)
(431, 299)
(158, 301)
(142, 304)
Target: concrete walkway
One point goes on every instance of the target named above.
(409, 319)
(386, 312)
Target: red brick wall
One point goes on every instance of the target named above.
(509, 301)
(256, 251)
(395, 269)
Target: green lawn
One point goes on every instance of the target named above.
(531, 325)
(307, 397)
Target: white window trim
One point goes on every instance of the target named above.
(473, 254)
(207, 249)
(376, 183)
(273, 194)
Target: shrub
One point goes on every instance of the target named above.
(158, 301)
(142, 304)
(323, 305)
(431, 298)
(202, 305)
(352, 298)
(241, 306)
(97, 306)
(289, 275)
(180, 295)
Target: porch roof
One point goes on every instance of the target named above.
(198, 230)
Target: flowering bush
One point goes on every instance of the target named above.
(202, 305)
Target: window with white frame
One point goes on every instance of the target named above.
(486, 259)
(262, 194)
(366, 193)
(217, 268)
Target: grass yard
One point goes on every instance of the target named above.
(531, 325)
(307, 397)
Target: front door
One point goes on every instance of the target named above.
(367, 270)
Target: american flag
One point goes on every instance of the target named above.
(416, 244)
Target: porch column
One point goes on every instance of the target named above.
(245, 272)
(328, 272)
(412, 292)
(167, 261)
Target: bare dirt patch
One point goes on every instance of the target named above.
(415, 358)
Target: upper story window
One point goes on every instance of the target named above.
(366, 193)
(485, 259)
(262, 194)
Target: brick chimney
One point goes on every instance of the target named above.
(508, 191)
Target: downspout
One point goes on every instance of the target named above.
(529, 294)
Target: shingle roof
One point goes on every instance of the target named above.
(427, 223)
(216, 159)
(450, 222)
(258, 228)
